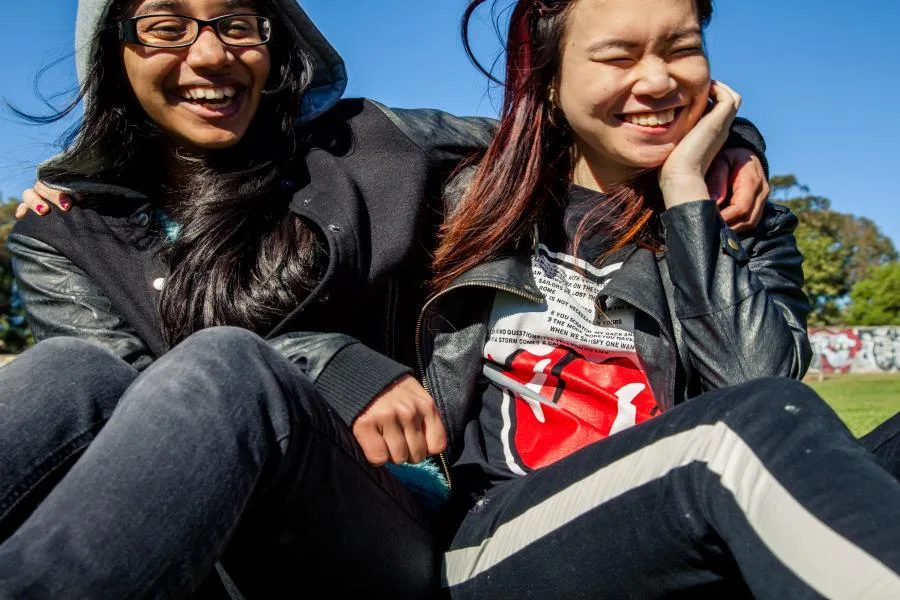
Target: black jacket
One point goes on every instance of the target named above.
(713, 310)
(94, 272)
(371, 185)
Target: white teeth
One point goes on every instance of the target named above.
(651, 119)
(208, 93)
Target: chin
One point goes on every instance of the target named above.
(213, 140)
(649, 159)
(216, 144)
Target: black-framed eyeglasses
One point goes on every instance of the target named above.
(177, 31)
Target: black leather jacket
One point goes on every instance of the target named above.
(713, 310)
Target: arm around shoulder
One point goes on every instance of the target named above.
(447, 139)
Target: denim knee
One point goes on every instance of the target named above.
(75, 362)
(71, 352)
(223, 341)
(228, 372)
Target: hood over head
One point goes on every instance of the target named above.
(329, 75)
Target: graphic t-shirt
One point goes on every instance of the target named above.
(562, 375)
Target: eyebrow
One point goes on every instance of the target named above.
(172, 5)
(615, 44)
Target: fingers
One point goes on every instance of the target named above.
(31, 201)
(372, 443)
(435, 434)
(397, 442)
(405, 421)
(749, 192)
(682, 177)
(725, 95)
(56, 197)
(39, 198)
(717, 179)
(725, 109)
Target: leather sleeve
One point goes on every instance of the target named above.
(445, 138)
(739, 301)
(61, 300)
(348, 374)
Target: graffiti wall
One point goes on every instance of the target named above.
(855, 349)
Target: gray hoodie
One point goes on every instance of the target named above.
(329, 76)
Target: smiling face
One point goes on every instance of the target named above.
(633, 80)
(205, 95)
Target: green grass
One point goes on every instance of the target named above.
(862, 401)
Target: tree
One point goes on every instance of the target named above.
(838, 249)
(876, 299)
(14, 332)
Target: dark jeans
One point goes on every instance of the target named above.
(115, 484)
(752, 491)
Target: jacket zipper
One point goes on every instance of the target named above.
(643, 308)
(421, 364)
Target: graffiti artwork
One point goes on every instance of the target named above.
(855, 349)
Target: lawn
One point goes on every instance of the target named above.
(862, 401)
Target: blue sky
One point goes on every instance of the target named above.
(818, 78)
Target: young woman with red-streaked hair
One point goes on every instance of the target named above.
(617, 369)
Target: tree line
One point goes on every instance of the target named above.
(851, 268)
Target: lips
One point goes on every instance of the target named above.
(661, 119)
(219, 101)
(213, 108)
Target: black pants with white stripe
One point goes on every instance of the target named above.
(756, 490)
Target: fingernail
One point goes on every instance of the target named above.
(41, 208)
(65, 203)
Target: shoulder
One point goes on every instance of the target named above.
(457, 186)
(431, 130)
(430, 127)
(96, 219)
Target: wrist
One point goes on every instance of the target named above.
(679, 190)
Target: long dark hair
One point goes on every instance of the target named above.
(241, 258)
(529, 161)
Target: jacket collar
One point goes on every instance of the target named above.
(511, 273)
(637, 282)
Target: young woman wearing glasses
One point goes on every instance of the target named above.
(178, 414)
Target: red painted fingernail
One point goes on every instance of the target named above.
(65, 203)
(41, 208)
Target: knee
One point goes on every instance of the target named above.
(220, 342)
(780, 401)
(77, 357)
(223, 336)
(229, 354)
(90, 375)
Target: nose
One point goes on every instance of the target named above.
(208, 52)
(654, 78)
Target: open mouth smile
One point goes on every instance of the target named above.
(207, 101)
(660, 120)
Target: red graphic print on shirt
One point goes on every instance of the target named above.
(576, 402)
(568, 373)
